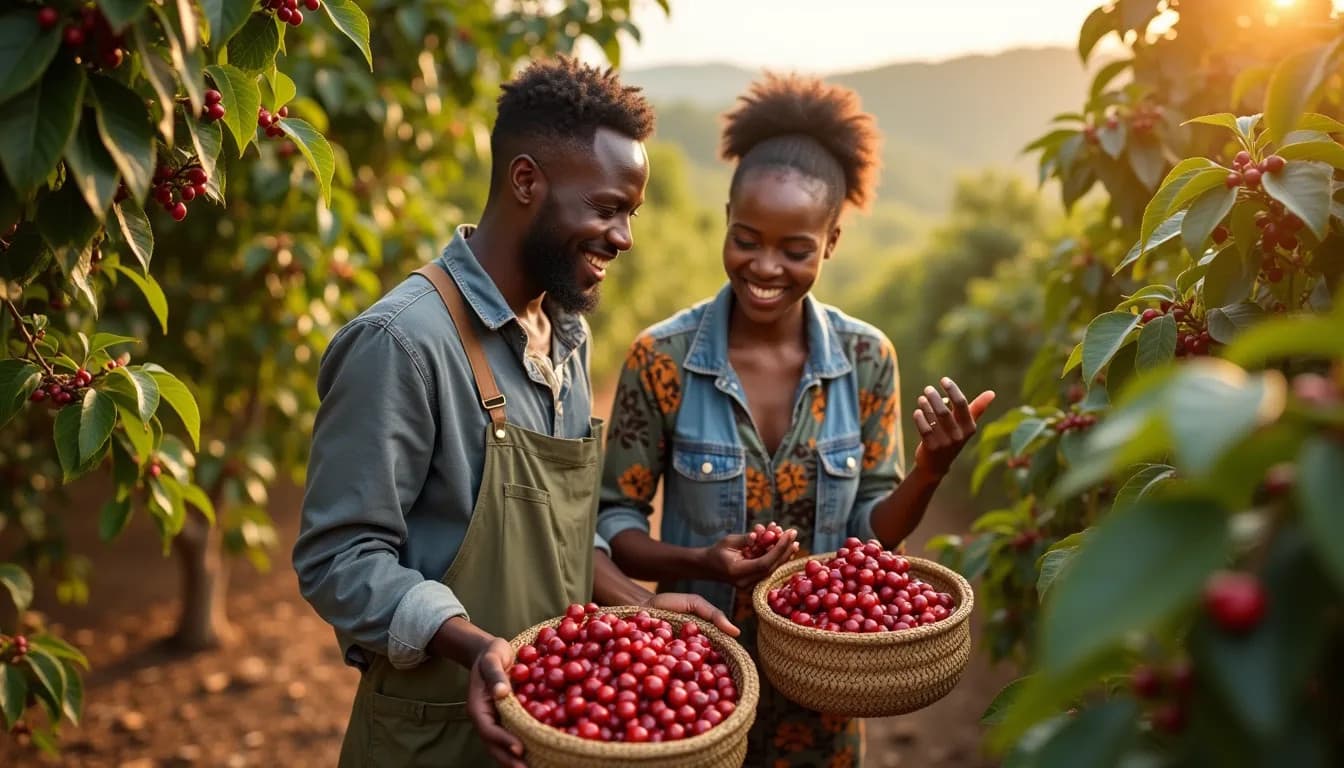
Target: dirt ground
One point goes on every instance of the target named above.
(280, 696)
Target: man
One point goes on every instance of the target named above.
(451, 497)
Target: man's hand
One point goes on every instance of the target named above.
(725, 560)
(490, 683)
(695, 605)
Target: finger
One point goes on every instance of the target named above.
(922, 424)
(701, 607)
(736, 540)
(780, 556)
(960, 408)
(926, 408)
(484, 717)
(981, 403)
(942, 413)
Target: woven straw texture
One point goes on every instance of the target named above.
(723, 746)
(866, 675)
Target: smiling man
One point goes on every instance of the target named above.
(452, 489)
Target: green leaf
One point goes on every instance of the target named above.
(1303, 188)
(1106, 75)
(253, 49)
(1097, 737)
(119, 13)
(1157, 343)
(196, 497)
(1137, 568)
(352, 23)
(19, 585)
(241, 99)
(179, 24)
(1146, 159)
(1211, 405)
(1135, 14)
(1105, 335)
(72, 699)
(1140, 484)
(113, 519)
(208, 139)
(1222, 120)
(160, 75)
(166, 501)
(1025, 433)
(1164, 233)
(1206, 214)
(1187, 279)
(1002, 702)
(66, 434)
(1051, 139)
(13, 694)
(225, 18)
(97, 418)
(128, 133)
(1314, 121)
(134, 390)
(1320, 485)
(18, 379)
(1052, 564)
(148, 286)
(1226, 323)
(172, 390)
(36, 125)
(1242, 224)
(25, 51)
(92, 168)
(1294, 85)
(138, 433)
(1148, 294)
(1230, 278)
(1071, 444)
(283, 89)
(136, 230)
(1279, 338)
(1158, 209)
(59, 649)
(315, 148)
(1075, 358)
(984, 467)
(1198, 184)
(1112, 140)
(50, 674)
(1246, 126)
(1323, 151)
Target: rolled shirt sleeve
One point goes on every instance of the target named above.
(373, 442)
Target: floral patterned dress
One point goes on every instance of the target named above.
(782, 488)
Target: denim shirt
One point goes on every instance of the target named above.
(680, 416)
(398, 451)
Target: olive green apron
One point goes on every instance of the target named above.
(527, 555)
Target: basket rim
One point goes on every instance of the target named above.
(964, 593)
(732, 726)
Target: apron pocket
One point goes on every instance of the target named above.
(407, 733)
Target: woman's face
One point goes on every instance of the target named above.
(780, 229)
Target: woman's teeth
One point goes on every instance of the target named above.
(764, 294)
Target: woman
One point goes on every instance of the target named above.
(764, 404)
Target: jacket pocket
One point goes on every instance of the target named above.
(706, 490)
(841, 461)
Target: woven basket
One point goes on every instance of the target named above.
(723, 746)
(866, 674)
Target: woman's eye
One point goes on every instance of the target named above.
(743, 244)
(799, 255)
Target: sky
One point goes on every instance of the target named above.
(826, 36)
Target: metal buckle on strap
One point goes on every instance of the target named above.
(492, 403)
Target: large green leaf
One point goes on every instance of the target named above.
(208, 139)
(1140, 484)
(1304, 188)
(1294, 84)
(1242, 226)
(1146, 159)
(18, 584)
(1211, 405)
(153, 293)
(315, 148)
(1230, 278)
(1158, 209)
(1097, 737)
(160, 76)
(13, 694)
(1157, 343)
(225, 18)
(1099, 23)
(136, 230)
(1320, 486)
(196, 497)
(135, 390)
(1197, 185)
(176, 394)
(1106, 75)
(139, 434)
(97, 418)
(1330, 152)
(179, 23)
(1137, 568)
(72, 698)
(119, 13)
(18, 379)
(92, 168)
(36, 125)
(1282, 337)
(1052, 564)
(352, 23)
(1226, 323)
(116, 514)
(1024, 434)
(50, 676)
(1104, 337)
(60, 649)
(1135, 14)
(127, 131)
(253, 49)
(1164, 233)
(1003, 700)
(241, 99)
(1207, 212)
(166, 503)
(1111, 139)
(25, 51)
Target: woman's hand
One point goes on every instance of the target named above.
(946, 424)
(726, 560)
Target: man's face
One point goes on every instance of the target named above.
(584, 221)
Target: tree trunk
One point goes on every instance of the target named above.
(203, 622)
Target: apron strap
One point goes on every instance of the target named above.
(492, 400)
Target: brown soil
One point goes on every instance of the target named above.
(280, 696)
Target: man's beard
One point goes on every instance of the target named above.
(554, 267)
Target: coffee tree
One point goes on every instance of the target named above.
(1172, 569)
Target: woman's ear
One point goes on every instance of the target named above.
(832, 241)
(527, 182)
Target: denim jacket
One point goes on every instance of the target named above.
(680, 417)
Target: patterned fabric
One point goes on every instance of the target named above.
(782, 488)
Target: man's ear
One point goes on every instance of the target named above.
(527, 182)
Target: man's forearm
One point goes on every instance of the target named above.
(612, 587)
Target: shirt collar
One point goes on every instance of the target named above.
(708, 353)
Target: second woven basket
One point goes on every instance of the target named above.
(866, 675)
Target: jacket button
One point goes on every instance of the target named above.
(850, 462)
(499, 433)
(706, 468)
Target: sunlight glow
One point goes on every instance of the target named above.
(1284, 3)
